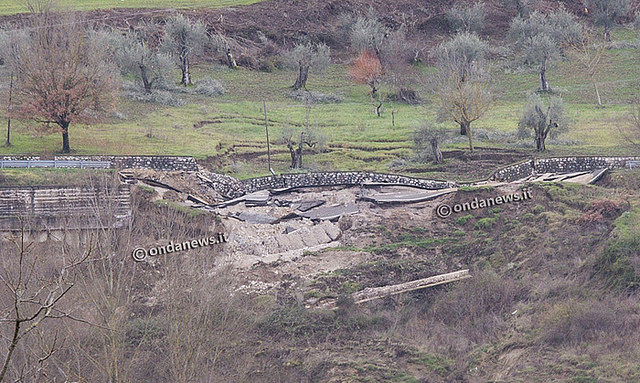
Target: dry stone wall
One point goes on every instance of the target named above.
(560, 165)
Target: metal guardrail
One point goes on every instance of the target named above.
(28, 164)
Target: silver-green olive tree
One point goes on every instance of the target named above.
(543, 119)
(541, 38)
(183, 40)
(606, 13)
(306, 56)
(137, 57)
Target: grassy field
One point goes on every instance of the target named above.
(356, 137)
(10, 7)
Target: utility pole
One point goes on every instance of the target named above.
(266, 129)
(9, 107)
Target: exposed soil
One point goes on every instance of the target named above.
(286, 21)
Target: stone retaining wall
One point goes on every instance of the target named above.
(287, 181)
(178, 163)
(559, 165)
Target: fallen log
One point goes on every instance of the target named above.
(372, 293)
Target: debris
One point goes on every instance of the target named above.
(407, 197)
(307, 205)
(373, 293)
(329, 213)
(255, 218)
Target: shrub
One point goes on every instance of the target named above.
(485, 223)
(476, 306)
(210, 87)
(619, 263)
(312, 97)
(467, 18)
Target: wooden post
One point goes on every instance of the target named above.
(9, 108)
(393, 118)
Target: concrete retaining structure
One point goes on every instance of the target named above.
(65, 207)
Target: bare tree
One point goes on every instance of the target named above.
(631, 131)
(306, 56)
(467, 18)
(427, 139)
(63, 76)
(183, 40)
(543, 120)
(297, 140)
(590, 53)
(606, 13)
(137, 57)
(33, 288)
(462, 60)
(540, 39)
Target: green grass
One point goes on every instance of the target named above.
(9, 7)
(356, 138)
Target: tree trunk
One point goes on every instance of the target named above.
(9, 107)
(303, 74)
(12, 346)
(378, 109)
(374, 90)
(607, 33)
(145, 79)
(540, 138)
(231, 62)
(595, 85)
(435, 149)
(469, 135)
(544, 85)
(296, 156)
(65, 138)
(463, 129)
(186, 74)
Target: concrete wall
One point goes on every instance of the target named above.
(286, 181)
(559, 165)
(56, 208)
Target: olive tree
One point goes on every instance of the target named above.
(367, 33)
(137, 57)
(467, 18)
(540, 39)
(462, 81)
(427, 138)
(305, 56)
(183, 40)
(543, 119)
(607, 12)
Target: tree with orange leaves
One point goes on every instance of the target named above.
(64, 73)
(366, 69)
